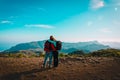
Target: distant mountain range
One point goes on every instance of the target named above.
(115, 45)
(66, 47)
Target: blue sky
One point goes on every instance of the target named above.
(67, 20)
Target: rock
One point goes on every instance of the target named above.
(89, 73)
(85, 65)
(96, 61)
(118, 75)
(69, 63)
(116, 78)
(45, 77)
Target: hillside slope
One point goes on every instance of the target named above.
(79, 68)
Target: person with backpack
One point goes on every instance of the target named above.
(56, 53)
(49, 48)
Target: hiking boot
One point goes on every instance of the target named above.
(43, 66)
(50, 66)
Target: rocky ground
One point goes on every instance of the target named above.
(70, 68)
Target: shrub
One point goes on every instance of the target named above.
(20, 55)
(76, 53)
(106, 53)
(63, 55)
(41, 54)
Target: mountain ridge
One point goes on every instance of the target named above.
(66, 46)
(115, 45)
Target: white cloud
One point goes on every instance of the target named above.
(96, 4)
(116, 22)
(118, 4)
(6, 22)
(39, 26)
(100, 18)
(106, 30)
(89, 23)
(13, 17)
(115, 2)
(116, 9)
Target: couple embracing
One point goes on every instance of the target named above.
(51, 48)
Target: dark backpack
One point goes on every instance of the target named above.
(58, 45)
(47, 45)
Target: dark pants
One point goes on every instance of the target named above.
(55, 58)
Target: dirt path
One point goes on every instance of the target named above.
(79, 68)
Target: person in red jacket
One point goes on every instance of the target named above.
(49, 48)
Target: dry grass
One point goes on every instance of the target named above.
(79, 68)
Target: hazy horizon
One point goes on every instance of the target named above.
(5, 46)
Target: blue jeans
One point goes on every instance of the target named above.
(48, 55)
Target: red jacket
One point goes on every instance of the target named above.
(48, 46)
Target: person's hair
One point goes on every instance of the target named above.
(52, 38)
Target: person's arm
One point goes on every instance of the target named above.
(46, 47)
(53, 42)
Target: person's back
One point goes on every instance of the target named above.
(56, 53)
(49, 47)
